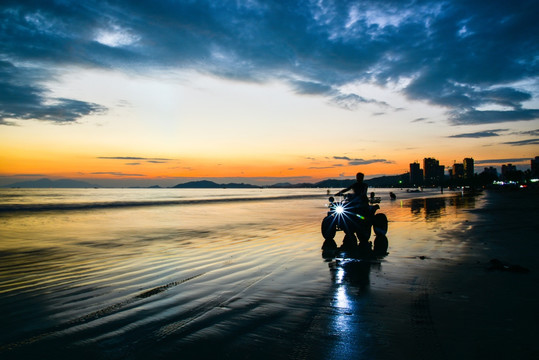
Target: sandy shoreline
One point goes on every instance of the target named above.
(463, 307)
(259, 287)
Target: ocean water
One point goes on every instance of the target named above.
(182, 273)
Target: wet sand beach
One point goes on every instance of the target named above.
(247, 280)
(467, 293)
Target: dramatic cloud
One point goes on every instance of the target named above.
(530, 132)
(523, 142)
(493, 116)
(23, 98)
(369, 161)
(362, 161)
(501, 161)
(479, 134)
(353, 101)
(465, 56)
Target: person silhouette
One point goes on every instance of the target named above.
(360, 191)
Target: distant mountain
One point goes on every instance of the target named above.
(205, 184)
(332, 183)
(401, 180)
(383, 181)
(281, 185)
(47, 183)
(202, 184)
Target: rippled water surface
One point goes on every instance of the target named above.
(137, 273)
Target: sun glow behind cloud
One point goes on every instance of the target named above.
(115, 36)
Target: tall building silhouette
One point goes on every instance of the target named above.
(416, 175)
(468, 168)
(535, 166)
(431, 169)
(508, 171)
(458, 172)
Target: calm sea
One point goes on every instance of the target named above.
(179, 273)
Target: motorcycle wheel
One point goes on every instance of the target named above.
(380, 245)
(329, 228)
(379, 224)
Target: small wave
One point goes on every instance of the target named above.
(38, 207)
(94, 315)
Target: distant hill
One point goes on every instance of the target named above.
(383, 181)
(47, 183)
(205, 184)
(401, 180)
(332, 183)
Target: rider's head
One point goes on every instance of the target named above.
(359, 177)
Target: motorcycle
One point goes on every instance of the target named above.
(356, 221)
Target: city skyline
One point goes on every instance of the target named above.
(135, 94)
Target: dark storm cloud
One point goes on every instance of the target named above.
(479, 134)
(461, 55)
(493, 116)
(22, 98)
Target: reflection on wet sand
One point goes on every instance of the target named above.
(199, 281)
(434, 208)
(354, 278)
(351, 283)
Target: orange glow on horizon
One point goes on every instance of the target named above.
(45, 158)
(162, 167)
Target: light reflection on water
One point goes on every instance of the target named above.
(173, 274)
(417, 227)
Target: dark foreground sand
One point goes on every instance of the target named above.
(453, 302)
(479, 309)
(258, 288)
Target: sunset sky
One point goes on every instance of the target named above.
(123, 93)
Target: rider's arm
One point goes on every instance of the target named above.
(343, 191)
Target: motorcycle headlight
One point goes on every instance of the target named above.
(339, 209)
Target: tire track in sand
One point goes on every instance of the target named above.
(426, 339)
(218, 301)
